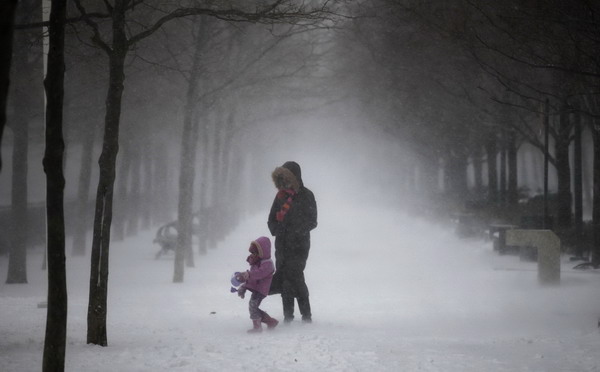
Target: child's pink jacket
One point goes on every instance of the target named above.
(261, 273)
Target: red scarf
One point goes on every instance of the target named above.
(284, 194)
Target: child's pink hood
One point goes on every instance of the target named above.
(263, 244)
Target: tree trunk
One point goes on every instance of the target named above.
(7, 17)
(491, 151)
(189, 140)
(23, 97)
(148, 189)
(502, 196)
(83, 191)
(477, 169)
(160, 194)
(215, 150)
(546, 122)
(17, 260)
(587, 174)
(203, 192)
(226, 220)
(456, 175)
(578, 184)
(56, 319)
(596, 193)
(512, 189)
(429, 180)
(563, 169)
(133, 210)
(97, 310)
(122, 202)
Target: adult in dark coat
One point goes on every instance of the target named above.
(293, 215)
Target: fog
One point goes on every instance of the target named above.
(339, 154)
(389, 292)
(398, 117)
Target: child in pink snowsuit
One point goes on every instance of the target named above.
(258, 281)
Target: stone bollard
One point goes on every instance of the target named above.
(548, 247)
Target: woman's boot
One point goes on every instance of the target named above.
(304, 307)
(288, 308)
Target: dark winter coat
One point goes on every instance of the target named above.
(292, 235)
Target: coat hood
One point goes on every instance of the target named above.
(284, 178)
(263, 244)
(294, 167)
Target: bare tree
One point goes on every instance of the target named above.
(27, 72)
(7, 17)
(56, 319)
(126, 31)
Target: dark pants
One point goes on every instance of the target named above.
(293, 285)
(288, 308)
(290, 272)
(255, 300)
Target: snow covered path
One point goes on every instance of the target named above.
(388, 294)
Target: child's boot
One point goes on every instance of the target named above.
(270, 322)
(256, 327)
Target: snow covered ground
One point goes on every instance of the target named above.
(389, 293)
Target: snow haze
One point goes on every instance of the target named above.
(389, 293)
(376, 113)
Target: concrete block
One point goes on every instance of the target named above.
(548, 247)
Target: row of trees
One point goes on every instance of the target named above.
(118, 28)
(466, 83)
(458, 84)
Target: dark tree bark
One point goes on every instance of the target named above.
(56, 320)
(213, 222)
(148, 189)
(502, 195)
(203, 192)
(511, 151)
(160, 190)
(7, 18)
(134, 196)
(563, 169)
(578, 183)
(29, 102)
(187, 174)
(121, 207)
(491, 151)
(596, 187)
(455, 175)
(97, 309)
(17, 261)
(476, 156)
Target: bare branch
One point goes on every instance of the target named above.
(270, 15)
(97, 38)
(92, 15)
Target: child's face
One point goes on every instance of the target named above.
(253, 250)
(253, 258)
